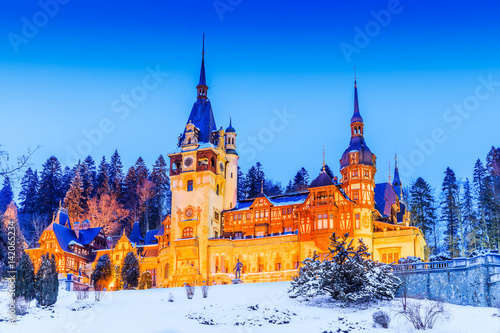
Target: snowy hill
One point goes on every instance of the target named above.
(258, 308)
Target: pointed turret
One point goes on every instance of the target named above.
(357, 145)
(396, 183)
(202, 85)
(201, 116)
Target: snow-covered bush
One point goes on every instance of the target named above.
(21, 306)
(171, 297)
(347, 275)
(409, 260)
(381, 318)
(476, 253)
(81, 292)
(423, 317)
(146, 281)
(102, 272)
(189, 291)
(442, 256)
(204, 290)
(25, 278)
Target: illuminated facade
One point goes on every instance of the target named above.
(209, 230)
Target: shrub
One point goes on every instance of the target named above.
(146, 281)
(423, 317)
(25, 279)
(349, 276)
(102, 273)
(204, 290)
(189, 291)
(21, 306)
(442, 256)
(381, 318)
(171, 297)
(81, 292)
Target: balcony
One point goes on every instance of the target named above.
(187, 242)
(174, 172)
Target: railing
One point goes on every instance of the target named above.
(454, 263)
(175, 171)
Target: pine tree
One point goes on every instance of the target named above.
(25, 278)
(471, 223)
(242, 190)
(328, 171)
(449, 209)
(272, 188)
(74, 198)
(102, 273)
(46, 282)
(116, 174)
(483, 197)
(253, 180)
(50, 190)
(88, 175)
(161, 200)
(141, 171)
(493, 168)
(300, 181)
(67, 176)
(422, 208)
(28, 202)
(102, 181)
(6, 194)
(130, 271)
(129, 193)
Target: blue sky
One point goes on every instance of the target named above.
(418, 64)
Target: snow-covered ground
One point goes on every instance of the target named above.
(245, 308)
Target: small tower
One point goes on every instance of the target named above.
(358, 169)
(231, 168)
(202, 87)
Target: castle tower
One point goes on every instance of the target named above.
(231, 190)
(203, 178)
(358, 168)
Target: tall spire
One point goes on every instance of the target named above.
(323, 158)
(356, 117)
(202, 85)
(397, 180)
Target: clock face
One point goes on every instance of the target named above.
(189, 212)
(221, 166)
(188, 161)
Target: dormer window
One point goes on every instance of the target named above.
(354, 157)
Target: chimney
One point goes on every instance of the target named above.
(109, 242)
(85, 224)
(76, 229)
(335, 179)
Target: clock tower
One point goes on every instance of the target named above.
(203, 180)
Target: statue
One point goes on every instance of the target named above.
(238, 267)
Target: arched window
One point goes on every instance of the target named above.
(217, 191)
(189, 141)
(166, 271)
(187, 232)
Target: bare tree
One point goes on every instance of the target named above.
(11, 169)
(105, 211)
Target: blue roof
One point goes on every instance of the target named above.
(135, 235)
(322, 180)
(357, 144)
(230, 129)
(65, 236)
(150, 237)
(290, 199)
(202, 117)
(356, 117)
(385, 196)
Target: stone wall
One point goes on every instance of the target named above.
(474, 281)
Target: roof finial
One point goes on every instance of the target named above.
(323, 158)
(203, 49)
(262, 186)
(389, 171)
(355, 85)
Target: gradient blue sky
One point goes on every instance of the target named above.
(261, 56)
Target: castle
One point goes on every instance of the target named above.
(209, 230)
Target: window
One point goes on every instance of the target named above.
(283, 211)
(190, 185)
(187, 232)
(216, 216)
(322, 222)
(267, 213)
(366, 174)
(390, 255)
(166, 271)
(117, 257)
(260, 234)
(240, 216)
(354, 174)
(355, 195)
(249, 216)
(278, 266)
(216, 234)
(217, 191)
(357, 221)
